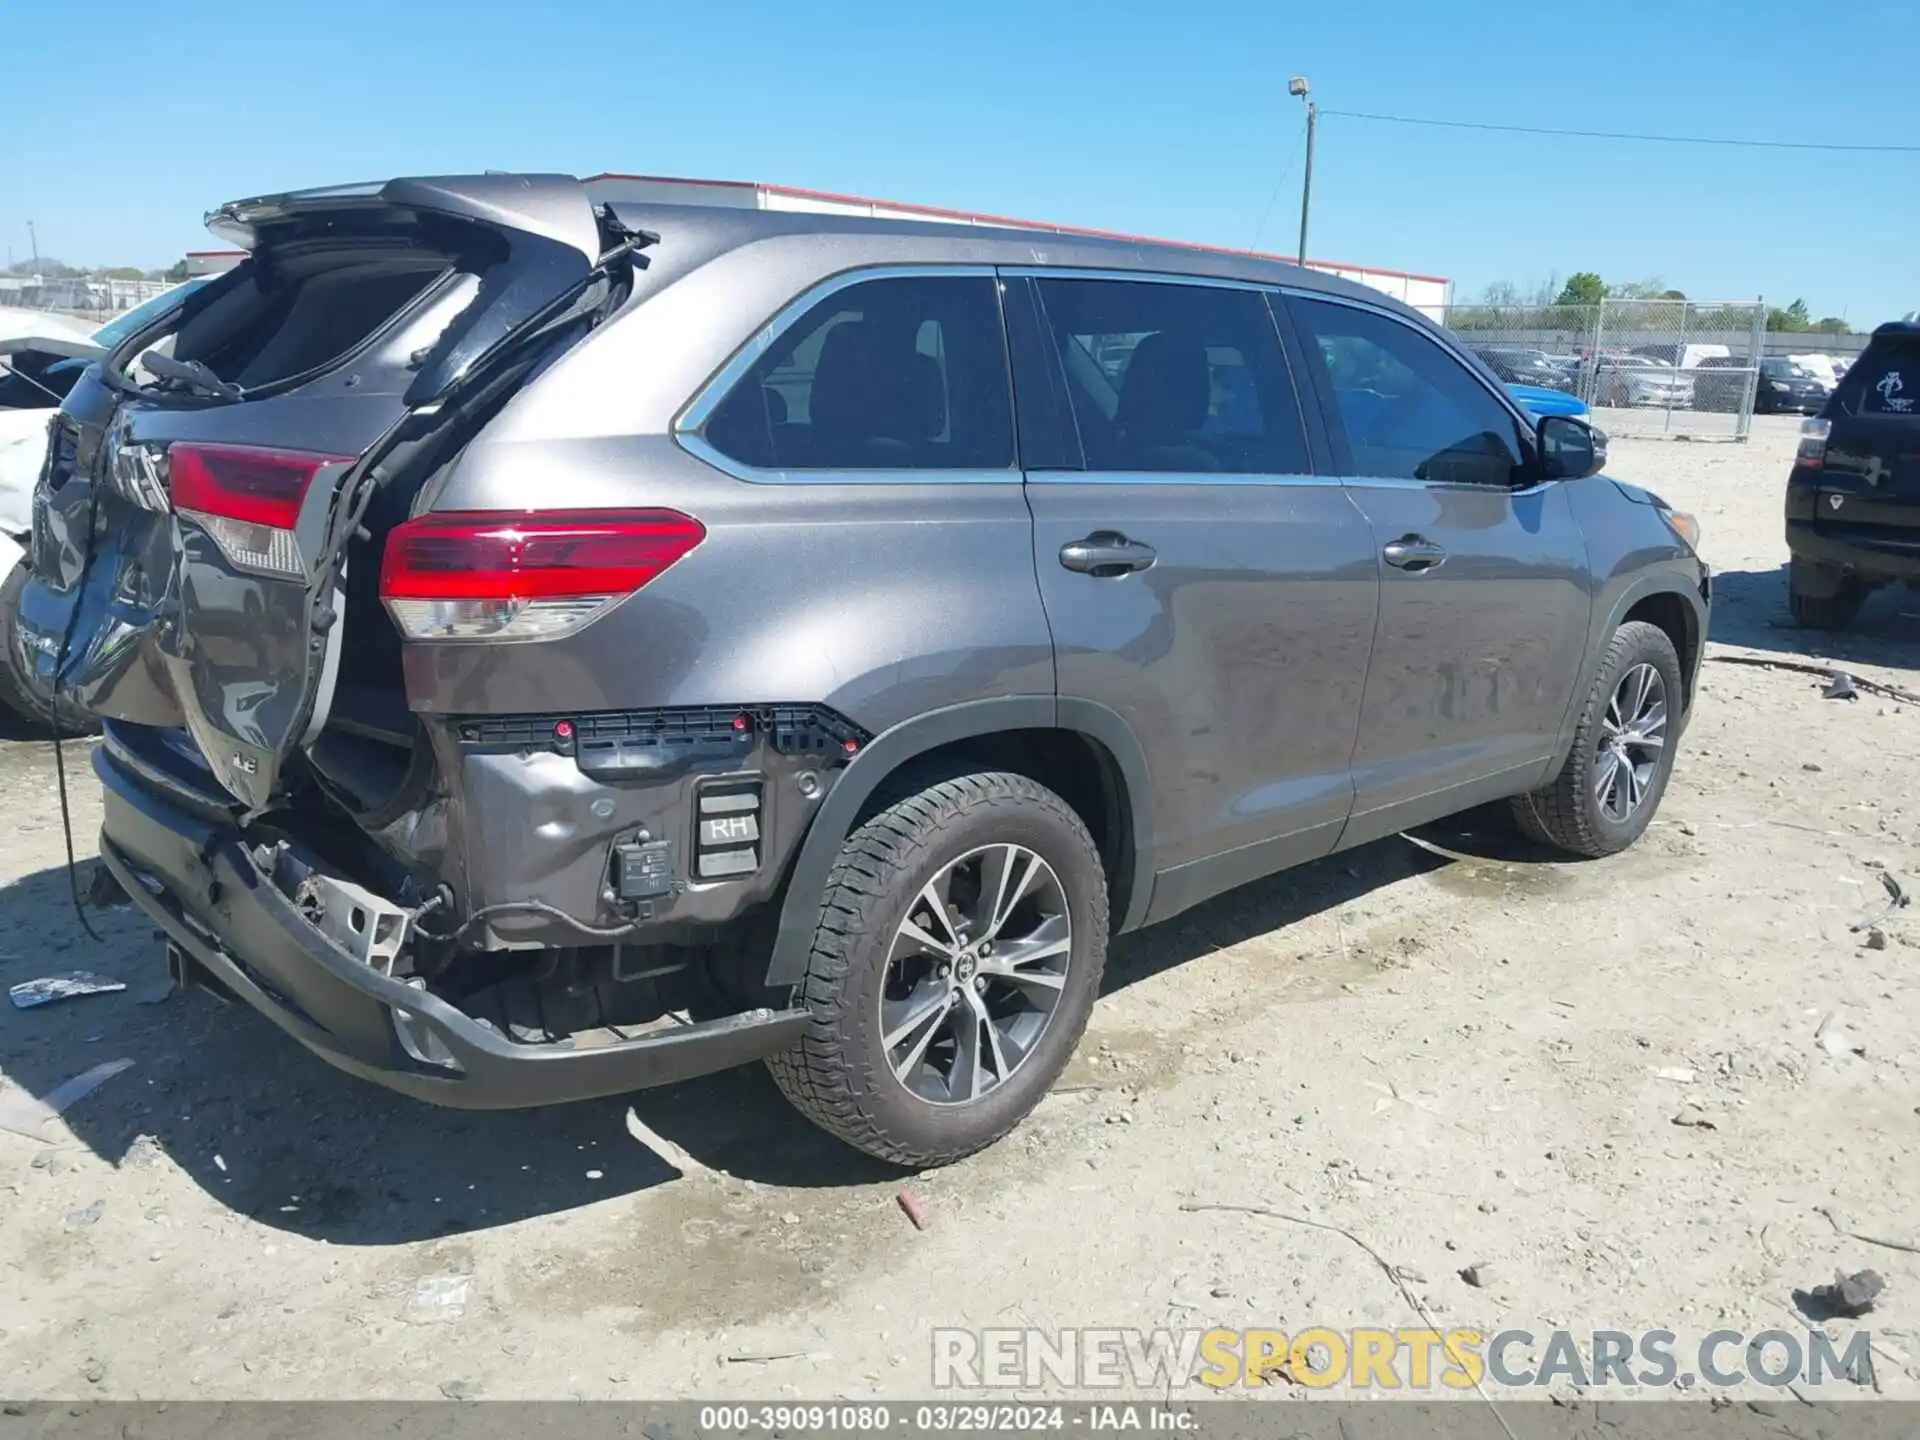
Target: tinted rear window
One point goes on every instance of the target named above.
(907, 372)
(1886, 381)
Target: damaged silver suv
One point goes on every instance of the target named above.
(547, 649)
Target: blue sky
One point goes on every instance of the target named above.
(1167, 119)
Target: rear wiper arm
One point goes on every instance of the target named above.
(193, 374)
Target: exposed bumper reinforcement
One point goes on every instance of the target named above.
(197, 881)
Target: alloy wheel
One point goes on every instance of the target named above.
(1633, 737)
(974, 973)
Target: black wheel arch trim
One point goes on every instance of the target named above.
(1673, 582)
(882, 756)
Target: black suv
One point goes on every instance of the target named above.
(1853, 500)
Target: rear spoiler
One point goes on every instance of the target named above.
(553, 207)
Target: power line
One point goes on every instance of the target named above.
(1273, 200)
(1618, 135)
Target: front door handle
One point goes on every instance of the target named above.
(1106, 554)
(1413, 552)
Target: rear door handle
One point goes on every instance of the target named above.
(1106, 554)
(1413, 552)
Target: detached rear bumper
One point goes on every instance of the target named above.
(197, 881)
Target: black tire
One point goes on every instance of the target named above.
(1566, 812)
(838, 1076)
(18, 691)
(1825, 612)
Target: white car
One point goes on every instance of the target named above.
(42, 355)
(1631, 380)
(1822, 367)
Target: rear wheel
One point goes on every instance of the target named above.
(959, 951)
(1835, 610)
(1607, 792)
(20, 692)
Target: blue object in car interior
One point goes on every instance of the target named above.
(1542, 401)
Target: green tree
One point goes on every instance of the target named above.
(177, 271)
(1585, 288)
(1795, 317)
(120, 272)
(1832, 325)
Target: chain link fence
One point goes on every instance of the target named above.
(1679, 368)
(91, 298)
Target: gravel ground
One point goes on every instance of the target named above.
(1459, 1060)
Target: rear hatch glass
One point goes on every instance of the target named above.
(192, 529)
(1874, 443)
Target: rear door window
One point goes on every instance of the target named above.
(1175, 378)
(893, 373)
(1410, 410)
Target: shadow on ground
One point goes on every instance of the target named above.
(1750, 611)
(268, 1129)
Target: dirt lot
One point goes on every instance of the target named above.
(1460, 1060)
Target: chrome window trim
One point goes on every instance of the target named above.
(1402, 482)
(689, 426)
(1145, 277)
(1180, 477)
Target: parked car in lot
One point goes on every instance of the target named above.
(546, 651)
(1524, 367)
(1823, 368)
(1631, 380)
(42, 356)
(1683, 354)
(1724, 382)
(1786, 388)
(1853, 498)
(1543, 400)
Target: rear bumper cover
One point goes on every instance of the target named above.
(1867, 534)
(197, 881)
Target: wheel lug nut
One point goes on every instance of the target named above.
(980, 983)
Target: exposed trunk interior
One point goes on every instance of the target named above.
(370, 338)
(294, 314)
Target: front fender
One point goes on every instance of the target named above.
(1686, 581)
(886, 753)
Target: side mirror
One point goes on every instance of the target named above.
(1570, 449)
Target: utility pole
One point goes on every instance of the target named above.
(1298, 86)
(34, 240)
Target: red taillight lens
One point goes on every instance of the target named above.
(246, 499)
(1812, 453)
(473, 575)
(239, 482)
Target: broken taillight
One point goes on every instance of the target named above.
(487, 575)
(247, 499)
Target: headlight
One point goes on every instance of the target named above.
(1779, 385)
(1683, 525)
